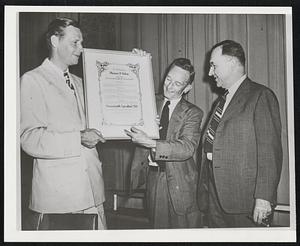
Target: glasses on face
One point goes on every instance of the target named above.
(176, 83)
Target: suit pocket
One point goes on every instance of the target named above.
(183, 195)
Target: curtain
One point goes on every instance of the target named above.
(168, 36)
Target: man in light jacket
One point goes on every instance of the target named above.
(67, 172)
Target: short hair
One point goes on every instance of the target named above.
(186, 65)
(57, 27)
(232, 48)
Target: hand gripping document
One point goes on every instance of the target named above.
(119, 92)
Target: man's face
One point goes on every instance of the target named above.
(69, 46)
(176, 83)
(220, 68)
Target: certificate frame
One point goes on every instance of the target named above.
(119, 93)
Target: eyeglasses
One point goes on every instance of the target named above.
(177, 83)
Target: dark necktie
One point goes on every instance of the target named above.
(211, 131)
(164, 121)
(68, 81)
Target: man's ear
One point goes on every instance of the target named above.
(54, 40)
(187, 88)
(234, 61)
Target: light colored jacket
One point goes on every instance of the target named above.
(67, 176)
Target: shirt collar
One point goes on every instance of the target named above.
(236, 85)
(56, 68)
(172, 101)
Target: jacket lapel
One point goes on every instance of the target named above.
(232, 106)
(176, 116)
(236, 100)
(59, 82)
(79, 98)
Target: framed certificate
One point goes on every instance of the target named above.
(119, 92)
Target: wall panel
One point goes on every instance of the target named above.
(277, 82)
(148, 27)
(258, 60)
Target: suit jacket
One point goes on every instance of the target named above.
(247, 151)
(177, 151)
(67, 176)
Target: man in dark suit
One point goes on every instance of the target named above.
(172, 174)
(242, 145)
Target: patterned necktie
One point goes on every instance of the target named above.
(68, 81)
(211, 131)
(164, 121)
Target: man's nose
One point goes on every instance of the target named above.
(171, 84)
(210, 72)
(80, 47)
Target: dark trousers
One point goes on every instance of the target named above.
(217, 218)
(160, 207)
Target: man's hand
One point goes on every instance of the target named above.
(90, 137)
(140, 52)
(140, 137)
(262, 210)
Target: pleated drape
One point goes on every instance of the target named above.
(168, 36)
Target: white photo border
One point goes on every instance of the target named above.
(12, 202)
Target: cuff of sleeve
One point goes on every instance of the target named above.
(160, 150)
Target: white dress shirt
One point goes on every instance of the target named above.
(232, 90)
(172, 106)
(61, 74)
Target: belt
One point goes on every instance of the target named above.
(160, 168)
